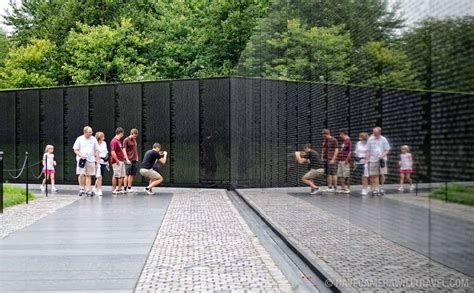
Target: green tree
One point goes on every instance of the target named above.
(312, 53)
(4, 46)
(383, 66)
(29, 66)
(101, 54)
(441, 51)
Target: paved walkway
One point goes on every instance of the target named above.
(92, 244)
(372, 243)
(17, 217)
(204, 245)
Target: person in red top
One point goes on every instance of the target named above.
(130, 150)
(344, 167)
(329, 157)
(116, 160)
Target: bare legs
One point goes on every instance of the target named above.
(155, 182)
(309, 182)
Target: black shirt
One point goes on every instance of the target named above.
(314, 159)
(149, 159)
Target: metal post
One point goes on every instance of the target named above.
(26, 154)
(446, 191)
(46, 173)
(1, 182)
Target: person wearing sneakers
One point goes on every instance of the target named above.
(130, 151)
(48, 168)
(406, 167)
(151, 164)
(329, 156)
(377, 151)
(311, 157)
(102, 167)
(344, 167)
(361, 163)
(86, 149)
(116, 160)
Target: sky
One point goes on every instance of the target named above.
(4, 4)
(411, 10)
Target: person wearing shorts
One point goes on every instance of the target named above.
(86, 149)
(130, 151)
(329, 156)
(377, 151)
(311, 157)
(150, 166)
(344, 167)
(117, 161)
(361, 168)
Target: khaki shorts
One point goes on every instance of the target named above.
(375, 170)
(149, 173)
(119, 169)
(88, 170)
(314, 173)
(344, 170)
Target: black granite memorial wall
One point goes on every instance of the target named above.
(240, 132)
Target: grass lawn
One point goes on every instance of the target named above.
(456, 193)
(13, 195)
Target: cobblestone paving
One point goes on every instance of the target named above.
(17, 217)
(204, 245)
(354, 258)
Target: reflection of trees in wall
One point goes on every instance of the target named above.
(441, 51)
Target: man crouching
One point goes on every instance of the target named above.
(151, 165)
(311, 157)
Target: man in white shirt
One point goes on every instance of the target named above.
(86, 149)
(376, 156)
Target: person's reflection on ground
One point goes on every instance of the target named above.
(209, 157)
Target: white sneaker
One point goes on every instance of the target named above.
(333, 190)
(401, 189)
(412, 187)
(346, 191)
(94, 190)
(131, 190)
(364, 191)
(98, 192)
(42, 188)
(315, 191)
(54, 189)
(148, 191)
(115, 191)
(328, 190)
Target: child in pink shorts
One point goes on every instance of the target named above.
(48, 167)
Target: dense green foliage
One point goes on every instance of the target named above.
(61, 42)
(99, 41)
(441, 51)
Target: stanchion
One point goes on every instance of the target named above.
(1, 182)
(26, 156)
(446, 191)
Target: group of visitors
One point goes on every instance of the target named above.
(94, 159)
(370, 156)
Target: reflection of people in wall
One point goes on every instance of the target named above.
(209, 156)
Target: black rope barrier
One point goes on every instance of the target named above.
(24, 169)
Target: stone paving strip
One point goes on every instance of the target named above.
(204, 245)
(17, 217)
(353, 258)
